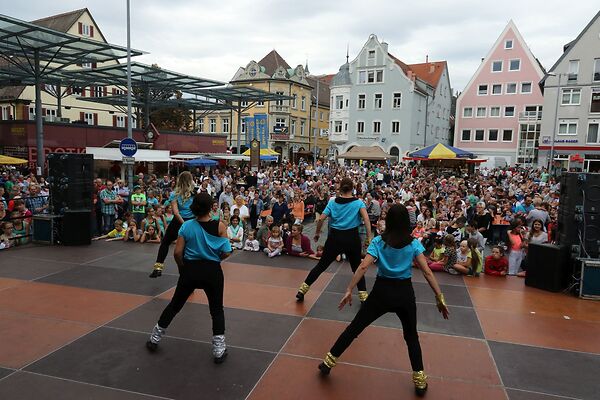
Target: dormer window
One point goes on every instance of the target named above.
(371, 54)
(508, 44)
(86, 30)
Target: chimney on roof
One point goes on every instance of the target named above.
(482, 58)
(426, 58)
(385, 47)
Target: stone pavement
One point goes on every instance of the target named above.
(74, 321)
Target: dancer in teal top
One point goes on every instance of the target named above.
(393, 253)
(201, 245)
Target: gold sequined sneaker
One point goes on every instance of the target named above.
(302, 290)
(328, 362)
(157, 271)
(420, 381)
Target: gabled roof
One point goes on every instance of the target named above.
(571, 44)
(272, 61)
(402, 65)
(324, 91)
(430, 72)
(61, 22)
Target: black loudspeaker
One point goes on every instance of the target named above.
(590, 279)
(71, 181)
(548, 267)
(46, 228)
(579, 213)
(76, 227)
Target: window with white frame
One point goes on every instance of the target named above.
(346, 127)
(347, 103)
(119, 91)
(88, 118)
(396, 127)
(339, 102)
(482, 90)
(50, 112)
(225, 125)
(596, 76)
(292, 127)
(573, 70)
(571, 97)
(376, 126)
(497, 88)
(98, 91)
(595, 100)
(397, 100)
(496, 66)
(303, 103)
(514, 65)
(337, 126)
(5, 113)
(200, 123)
(592, 135)
(465, 135)
(378, 101)
(526, 87)
(321, 115)
(507, 135)
(295, 101)
(509, 111)
(479, 135)
(360, 127)
(302, 126)
(279, 102)
(511, 88)
(362, 77)
(85, 30)
(467, 112)
(371, 54)
(492, 135)
(279, 124)
(120, 120)
(86, 65)
(243, 126)
(567, 127)
(260, 103)
(481, 112)
(244, 103)
(362, 99)
(134, 122)
(379, 76)
(213, 125)
(494, 111)
(508, 44)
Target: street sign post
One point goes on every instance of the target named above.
(128, 160)
(254, 155)
(128, 147)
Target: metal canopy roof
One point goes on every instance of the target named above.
(237, 94)
(186, 103)
(142, 75)
(21, 41)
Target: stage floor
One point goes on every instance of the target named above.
(74, 321)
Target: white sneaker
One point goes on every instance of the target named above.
(219, 348)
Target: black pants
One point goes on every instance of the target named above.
(198, 274)
(388, 295)
(170, 236)
(339, 242)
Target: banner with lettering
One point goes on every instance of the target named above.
(262, 133)
(250, 129)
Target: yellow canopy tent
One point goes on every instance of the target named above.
(263, 152)
(6, 160)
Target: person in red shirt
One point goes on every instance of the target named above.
(496, 264)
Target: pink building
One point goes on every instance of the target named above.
(499, 113)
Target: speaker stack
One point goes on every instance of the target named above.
(579, 229)
(71, 188)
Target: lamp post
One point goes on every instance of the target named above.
(550, 164)
(316, 125)
(129, 119)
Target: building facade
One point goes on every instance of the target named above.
(499, 113)
(377, 100)
(289, 124)
(571, 121)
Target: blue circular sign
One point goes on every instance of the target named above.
(128, 147)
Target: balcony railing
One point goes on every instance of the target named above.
(274, 108)
(530, 116)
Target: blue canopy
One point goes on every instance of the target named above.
(201, 162)
(269, 158)
(439, 151)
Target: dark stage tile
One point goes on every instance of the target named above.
(260, 258)
(557, 372)
(27, 386)
(179, 369)
(251, 329)
(28, 269)
(4, 372)
(463, 321)
(136, 257)
(455, 295)
(68, 254)
(113, 280)
(524, 395)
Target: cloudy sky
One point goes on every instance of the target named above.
(212, 38)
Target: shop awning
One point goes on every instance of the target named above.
(439, 151)
(6, 160)
(142, 155)
(374, 153)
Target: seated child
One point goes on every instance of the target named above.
(285, 231)
(7, 237)
(131, 233)
(476, 257)
(419, 231)
(275, 242)
(450, 256)
(496, 264)
(264, 231)
(463, 258)
(435, 260)
(116, 234)
(457, 229)
(251, 242)
(151, 235)
(319, 252)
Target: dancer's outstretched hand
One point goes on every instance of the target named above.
(443, 308)
(347, 299)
